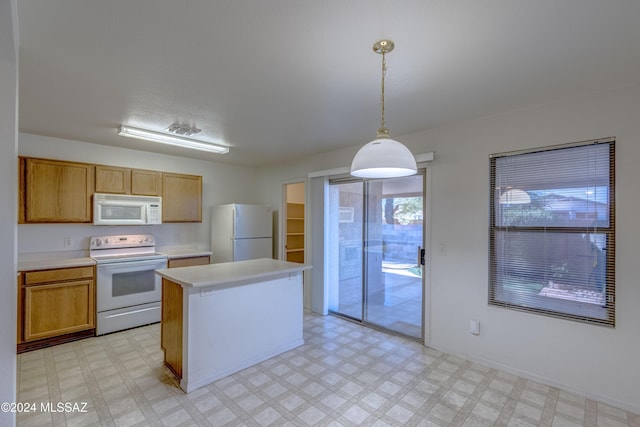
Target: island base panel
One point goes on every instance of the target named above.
(230, 329)
(171, 326)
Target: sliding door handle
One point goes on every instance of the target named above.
(421, 255)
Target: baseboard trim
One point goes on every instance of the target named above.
(50, 342)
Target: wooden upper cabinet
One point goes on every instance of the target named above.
(60, 191)
(55, 191)
(146, 182)
(113, 179)
(181, 198)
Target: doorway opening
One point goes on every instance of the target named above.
(294, 224)
(292, 236)
(376, 230)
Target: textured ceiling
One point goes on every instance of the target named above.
(283, 79)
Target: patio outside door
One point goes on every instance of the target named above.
(376, 229)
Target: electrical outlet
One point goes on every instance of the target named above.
(178, 238)
(67, 242)
(474, 327)
(442, 249)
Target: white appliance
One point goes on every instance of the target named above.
(128, 289)
(122, 209)
(240, 232)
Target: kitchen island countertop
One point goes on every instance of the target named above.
(230, 274)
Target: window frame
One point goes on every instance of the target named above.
(495, 288)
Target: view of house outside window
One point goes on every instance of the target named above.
(552, 231)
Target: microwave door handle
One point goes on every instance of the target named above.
(146, 214)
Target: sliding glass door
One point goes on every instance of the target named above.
(376, 235)
(346, 232)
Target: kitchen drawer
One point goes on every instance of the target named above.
(190, 261)
(57, 275)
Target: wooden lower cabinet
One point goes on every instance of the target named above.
(55, 306)
(57, 309)
(171, 331)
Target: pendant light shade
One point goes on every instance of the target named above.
(383, 157)
(515, 196)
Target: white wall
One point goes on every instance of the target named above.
(595, 361)
(221, 184)
(8, 209)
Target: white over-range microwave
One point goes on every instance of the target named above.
(117, 209)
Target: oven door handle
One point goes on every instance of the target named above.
(159, 263)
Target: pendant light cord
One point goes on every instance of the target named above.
(383, 132)
(383, 157)
(383, 123)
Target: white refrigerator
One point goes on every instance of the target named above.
(240, 232)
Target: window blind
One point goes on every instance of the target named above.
(552, 231)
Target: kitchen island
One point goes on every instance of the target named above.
(218, 319)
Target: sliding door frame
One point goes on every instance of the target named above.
(426, 229)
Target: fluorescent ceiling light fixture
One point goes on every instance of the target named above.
(383, 157)
(178, 141)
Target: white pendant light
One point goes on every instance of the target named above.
(383, 157)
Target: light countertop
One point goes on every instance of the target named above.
(183, 253)
(67, 259)
(48, 263)
(230, 274)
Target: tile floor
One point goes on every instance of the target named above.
(344, 375)
(397, 307)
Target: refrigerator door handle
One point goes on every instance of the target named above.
(233, 223)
